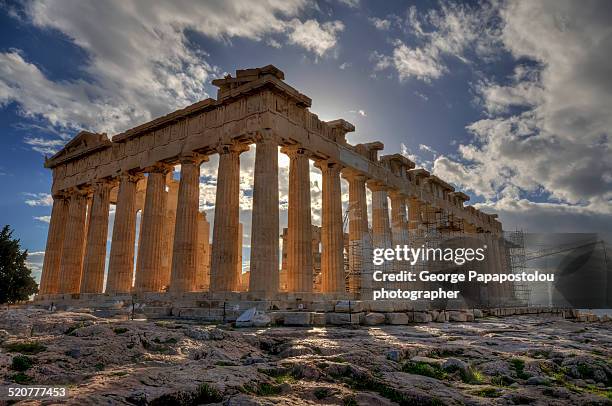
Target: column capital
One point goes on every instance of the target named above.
(160, 167)
(192, 157)
(327, 165)
(131, 176)
(351, 174)
(265, 138)
(294, 151)
(84, 191)
(232, 147)
(377, 186)
(106, 182)
(396, 194)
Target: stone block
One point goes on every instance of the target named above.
(154, 311)
(373, 319)
(478, 313)
(318, 319)
(349, 306)
(340, 319)
(297, 318)
(455, 315)
(381, 306)
(397, 318)
(421, 317)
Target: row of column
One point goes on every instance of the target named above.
(76, 248)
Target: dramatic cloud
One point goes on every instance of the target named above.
(548, 130)
(140, 61)
(315, 37)
(452, 30)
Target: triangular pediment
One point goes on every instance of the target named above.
(84, 143)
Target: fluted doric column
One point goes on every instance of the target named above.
(332, 235)
(148, 277)
(299, 228)
(414, 215)
(399, 218)
(71, 265)
(97, 234)
(203, 269)
(360, 242)
(264, 273)
(224, 261)
(121, 262)
(185, 248)
(381, 230)
(50, 278)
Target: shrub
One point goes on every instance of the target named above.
(28, 347)
(21, 363)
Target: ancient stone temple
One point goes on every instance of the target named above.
(177, 253)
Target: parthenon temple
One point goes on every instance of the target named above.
(173, 251)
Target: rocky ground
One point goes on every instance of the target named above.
(514, 360)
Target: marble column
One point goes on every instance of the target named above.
(414, 215)
(381, 230)
(299, 228)
(332, 235)
(97, 234)
(203, 264)
(172, 192)
(399, 221)
(185, 248)
(50, 278)
(148, 277)
(71, 264)
(121, 262)
(224, 261)
(264, 276)
(360, 241)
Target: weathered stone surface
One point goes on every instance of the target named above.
(373, 319)
(343, 318)
(456, 316)
(397, 318)
(132, 361)
(349, 306)
(421, 317)
(297, 318)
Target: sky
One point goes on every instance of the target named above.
(507, 100)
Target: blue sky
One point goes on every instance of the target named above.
(509, 101)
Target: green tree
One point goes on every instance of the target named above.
(16, 282)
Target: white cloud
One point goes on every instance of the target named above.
(455, 29)
(44, 219)
(315, 37)
(140, 61)
(548, 130)
(351, 3)
(380, 23)
(360, 112)
(38, 199)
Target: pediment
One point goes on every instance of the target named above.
(84, 143)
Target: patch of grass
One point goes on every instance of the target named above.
(70, 331)
(285, 378)
(339, 360)
(502, 380)
(322, 393)
(207, 393)
(120, 330)
(120, 373)
(168, 324)
(21, 363)
(204, 394)
(99, 366)
(22, 378)
(349, 401)
(422, 368)
(519, 367)
(472, 376)
(267, 389)
(28, 347)
(488, 392)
